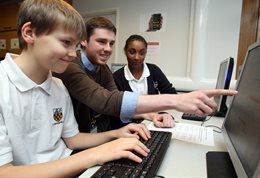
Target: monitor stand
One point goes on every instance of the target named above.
(221, 113)
(219, 165)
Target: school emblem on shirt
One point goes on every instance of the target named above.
(155, 84)
(57, 114)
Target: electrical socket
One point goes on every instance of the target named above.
(2, 43)
(14, 43)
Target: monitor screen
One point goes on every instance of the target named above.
(241, 129)
(116, 66)
(223, 82)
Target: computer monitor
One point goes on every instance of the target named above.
(223, 82)
(241, 128)
(116, 66)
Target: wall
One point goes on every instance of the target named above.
(198, 35)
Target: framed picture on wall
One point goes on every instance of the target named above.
(152, 22)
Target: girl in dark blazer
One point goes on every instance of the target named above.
(140, 77)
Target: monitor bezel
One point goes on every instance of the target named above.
(230, 148)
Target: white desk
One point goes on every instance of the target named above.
(184, 159)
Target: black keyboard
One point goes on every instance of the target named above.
(193, 117)
(125, 168)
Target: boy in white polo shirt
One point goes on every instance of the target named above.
(38, 130)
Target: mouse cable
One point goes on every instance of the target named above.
(218, 131)
(205, 121)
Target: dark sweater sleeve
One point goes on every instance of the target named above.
(85, 90)
(120, 80)
(164, 85)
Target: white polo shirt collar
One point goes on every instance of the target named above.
(129, 76)
(138, 86)
(22, 81)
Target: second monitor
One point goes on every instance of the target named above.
(223, 82)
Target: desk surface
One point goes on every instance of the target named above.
(184, 159)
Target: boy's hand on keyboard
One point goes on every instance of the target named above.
(163, 120)
(120, 148)
(134, 130)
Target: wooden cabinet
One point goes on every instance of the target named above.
(8, 26)
(249, 28)
(9, 10)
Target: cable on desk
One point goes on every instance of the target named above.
(205, 120)
(218, 131)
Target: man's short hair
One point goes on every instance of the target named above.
(46, 15)
(98, 22)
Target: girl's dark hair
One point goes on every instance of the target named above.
(135, 38)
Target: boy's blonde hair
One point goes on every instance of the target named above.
(46, 15)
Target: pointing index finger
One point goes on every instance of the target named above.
(219, 92)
